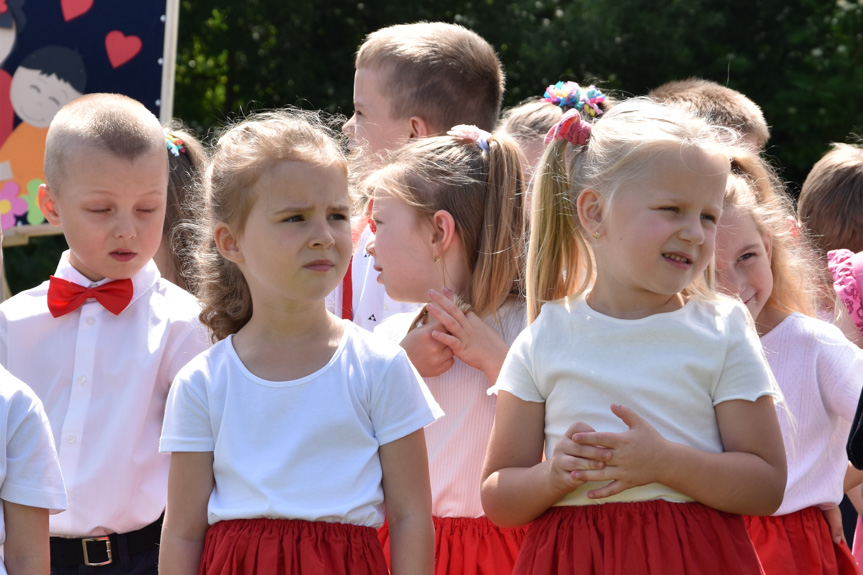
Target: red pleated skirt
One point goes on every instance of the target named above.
(656, 537)
(291, 547)
(799, 543)
(470, 546)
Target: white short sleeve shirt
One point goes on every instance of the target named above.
(303, 449)
(671, 368)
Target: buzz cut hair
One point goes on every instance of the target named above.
(111, 122)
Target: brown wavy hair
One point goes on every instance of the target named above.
(242, 154)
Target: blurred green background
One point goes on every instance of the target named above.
(800, 60)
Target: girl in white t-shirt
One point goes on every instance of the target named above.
(622, 233)
(289, 434)
(818, 370)
(448, 221)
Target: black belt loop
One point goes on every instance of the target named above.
(103, 550)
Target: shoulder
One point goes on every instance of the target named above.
(174, 301)
(373, 346)
(395, 327)
(27, 303)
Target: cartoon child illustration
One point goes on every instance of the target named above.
(12, 21)
(45, 81)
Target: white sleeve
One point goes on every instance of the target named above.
(401, 403)
(517, 375)
(187, 426)
(32, 469)
(745, 373)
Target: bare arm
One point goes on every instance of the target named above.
(407, 496)
(26, 548)
(517, 485)
(747, 478)
(190, 483)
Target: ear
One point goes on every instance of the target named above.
(419, 128)
(444, 233)
(48, 205)
(589, 210)
(227, 243)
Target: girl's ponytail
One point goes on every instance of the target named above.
(558, 260)
(499, 271)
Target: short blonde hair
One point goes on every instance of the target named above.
(110, 122)
(245, 152)
(444, 73)
(717, 104)
(831, 200)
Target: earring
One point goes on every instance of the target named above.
(436, 259)
(596, 235)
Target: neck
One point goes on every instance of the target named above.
(768, 319)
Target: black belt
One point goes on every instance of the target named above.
(98, 551)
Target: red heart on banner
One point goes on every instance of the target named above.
(74, 8)
(121, 48)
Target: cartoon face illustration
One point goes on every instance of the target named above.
(37, 97)
(45, 81)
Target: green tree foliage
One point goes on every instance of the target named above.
(800, 60)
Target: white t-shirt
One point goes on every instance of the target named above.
(820, 374)
(371, 304)
(29, 469)
(103, 380)
(671, 368)
(303, 449)
(457, 443)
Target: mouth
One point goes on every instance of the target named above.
(320, 266)
(123, 255)
(681, 261)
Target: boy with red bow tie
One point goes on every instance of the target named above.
(102, 340)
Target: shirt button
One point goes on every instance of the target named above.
(70, 438)
(91, 320)
(82, 380)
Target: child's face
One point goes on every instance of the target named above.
(296, 244)
(36, 97)
(402, 249)
(657, 234)
(111, 209)
(371, 127)
(743, 261)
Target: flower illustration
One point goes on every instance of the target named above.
(11, 206)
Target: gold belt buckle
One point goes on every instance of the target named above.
(107, 541)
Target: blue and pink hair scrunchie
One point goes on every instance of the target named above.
(471, 134)
(570, 95)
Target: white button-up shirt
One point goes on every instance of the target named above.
(103, 380)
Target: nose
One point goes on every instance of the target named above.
(370, 246)
(124, 226)
(350, 126)
(322, 236)
(692, 230)
(727, 279)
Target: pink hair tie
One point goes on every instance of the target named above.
(571, 127)
(471, 134)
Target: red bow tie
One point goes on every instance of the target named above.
(65, 296)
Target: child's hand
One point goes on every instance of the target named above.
(471, 339)
(429, 356)
(568, 457)
(833, 516)
(635, 457)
